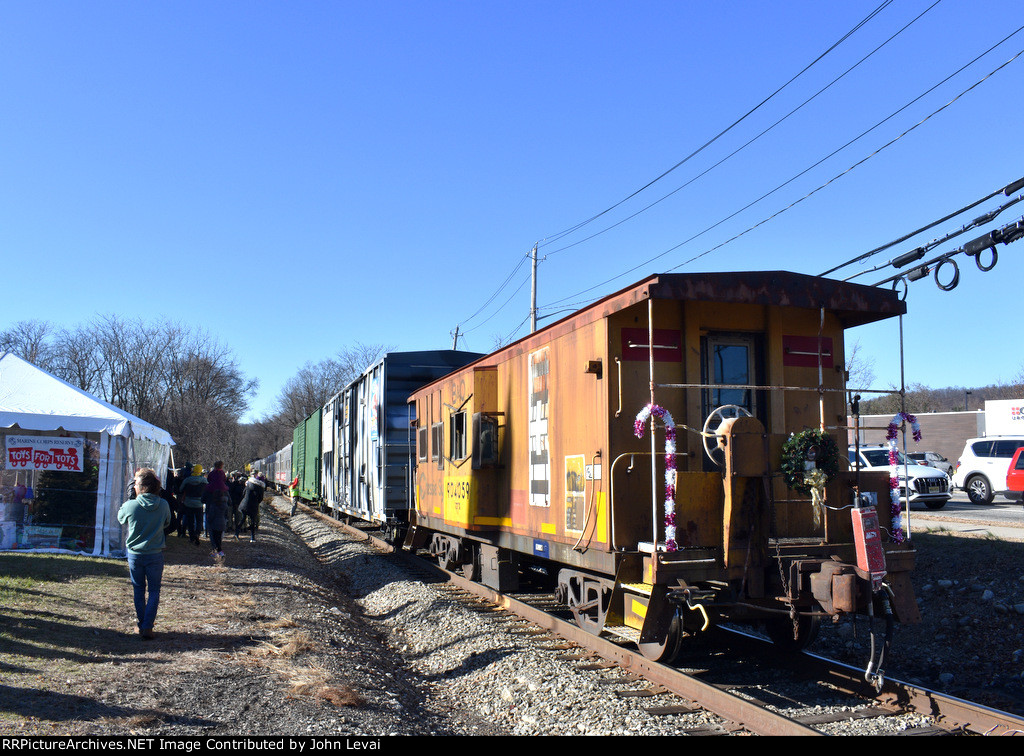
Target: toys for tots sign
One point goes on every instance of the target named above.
(44, 453)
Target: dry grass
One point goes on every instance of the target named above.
(68, 642)
(282, 622)
(289, 644)
(315, 682)
(234, 603)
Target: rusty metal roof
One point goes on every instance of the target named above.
(854, 304)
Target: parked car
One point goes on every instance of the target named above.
(932, 459)
(1015, 476)
(982, 467)
(927, 485)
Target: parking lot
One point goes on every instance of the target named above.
(1002, 518)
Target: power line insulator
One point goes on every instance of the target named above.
(976, 246)
(909, 257)
(1015, 186)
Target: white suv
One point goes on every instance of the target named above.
(982, 467)
(928, 485)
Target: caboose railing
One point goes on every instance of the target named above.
(820, 389)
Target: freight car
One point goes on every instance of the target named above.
(668, 458)
(276, 468)
(352, 456)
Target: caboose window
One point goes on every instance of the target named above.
(421, 444)
(734, 362)
(485, 441)
(731, 360)
(730, 364)
(460, 447)
(436, 439)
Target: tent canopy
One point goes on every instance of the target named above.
(33, 399)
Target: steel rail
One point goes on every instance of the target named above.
(951, 712)
(751, 716)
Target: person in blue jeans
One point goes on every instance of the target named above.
(147, 515)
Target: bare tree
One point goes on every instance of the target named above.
(310, 388)
(353, 360)
(181, 379)
(76, 359)
(29, 339)
(860, 367)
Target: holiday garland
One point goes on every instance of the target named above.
(891, 434)
(670, 466)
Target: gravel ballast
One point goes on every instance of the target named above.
(310, 632)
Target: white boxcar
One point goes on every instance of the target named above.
(366, 436)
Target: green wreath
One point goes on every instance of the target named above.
(794, 458)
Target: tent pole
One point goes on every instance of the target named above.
(99, 542)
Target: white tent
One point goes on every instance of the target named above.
(32, 400)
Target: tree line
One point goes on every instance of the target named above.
(919, 398)
(183, 380)
(186, 381)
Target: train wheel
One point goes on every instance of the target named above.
(446, 563)
(782, 633)
(587, 598)
(667, 651)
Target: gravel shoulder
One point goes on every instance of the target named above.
(307, 632)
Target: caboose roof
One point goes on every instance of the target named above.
(854, 304)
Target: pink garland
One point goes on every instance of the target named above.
(670, 466)
(891, 434)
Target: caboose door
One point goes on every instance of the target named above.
(734, 361)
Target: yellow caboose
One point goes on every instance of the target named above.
(636, 451)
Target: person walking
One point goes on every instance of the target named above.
(217, 480)
(293, 493)
(191, 491)
(236, 490)
(217, 498)
(255, 488)
(146, 516)
(217, 508)
(178, 513)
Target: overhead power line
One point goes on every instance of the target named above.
(554, 237)
(577, 226)
(916, 254)
(819, 188)
(748, 142)
(975, 248)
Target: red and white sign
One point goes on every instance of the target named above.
(45, 453)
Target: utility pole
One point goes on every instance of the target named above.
(455, 339)
(533, 291)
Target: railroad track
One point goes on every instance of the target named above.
(674, 690)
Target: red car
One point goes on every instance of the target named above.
(1015, 476)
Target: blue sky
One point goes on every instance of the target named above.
(299, 176)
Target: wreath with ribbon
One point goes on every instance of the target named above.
(794, 460)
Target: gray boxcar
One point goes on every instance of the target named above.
(366, 441)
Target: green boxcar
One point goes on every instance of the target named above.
(306, 457)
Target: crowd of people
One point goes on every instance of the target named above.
(191, 505)
(208, 505)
